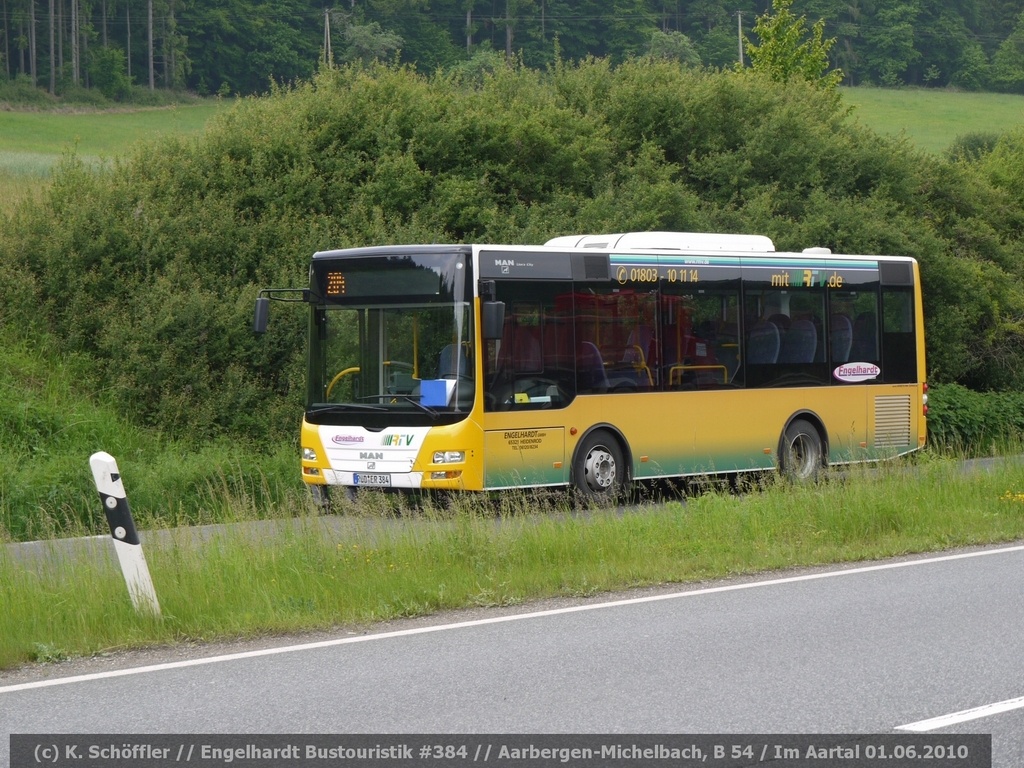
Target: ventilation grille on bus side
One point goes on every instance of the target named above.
(892, 420)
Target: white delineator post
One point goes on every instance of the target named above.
(122, 529)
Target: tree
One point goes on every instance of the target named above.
(846, 19)
(1008, 63)
(32, 40)
(366, 43)
(53, 64)
(630, 24)
(515, 10)
(674, 46)
(786, 52)
(889, 50)
(149, 43)
(107, 72)
(948, 48)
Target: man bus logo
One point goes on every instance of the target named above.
(507, 264)
(854, 372)
(371, 455)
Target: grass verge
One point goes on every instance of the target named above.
(52, 419)
(369, 566)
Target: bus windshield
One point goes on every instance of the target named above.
(392, 341)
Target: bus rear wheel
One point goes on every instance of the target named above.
(599, 472)
(802, 457)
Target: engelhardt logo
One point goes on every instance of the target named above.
(342, 439)
(857, 372)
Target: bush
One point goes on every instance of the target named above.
(81, 96)
(108, 72)
(973, 146)
(21, 92)
(963, 420)
(155, 261)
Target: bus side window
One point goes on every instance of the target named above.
(591, 375)
(527, 356)
(840, 337)
(899, 358)
(864, 348)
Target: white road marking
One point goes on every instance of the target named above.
(502, 619)
(944, 721)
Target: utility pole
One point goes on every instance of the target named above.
(739, 33)
(149, 37)
(328, 55)
(53, 66)
(128, 30)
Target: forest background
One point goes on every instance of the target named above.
(128, 49)
(128, 286)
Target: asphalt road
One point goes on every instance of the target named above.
(883, 649)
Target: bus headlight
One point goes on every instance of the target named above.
(308, 454)
(449, 457)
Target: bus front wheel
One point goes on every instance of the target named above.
(321, 496)
(599, 472)
(802, 457)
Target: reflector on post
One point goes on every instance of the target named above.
(122, 529)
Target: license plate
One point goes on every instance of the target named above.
(362, 478)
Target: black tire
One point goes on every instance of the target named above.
(321, 495)
(802, 455)
(599, 470)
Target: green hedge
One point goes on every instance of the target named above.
(962, 420)
(150, 267)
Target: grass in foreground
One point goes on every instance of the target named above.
(53, 418)
(374, 567)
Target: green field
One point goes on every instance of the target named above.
(933, 119)
(32, 141)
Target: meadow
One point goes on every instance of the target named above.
(32, 142)
(932, 119)
(42, 136)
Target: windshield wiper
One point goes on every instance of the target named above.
(343, 407)
(426, 409)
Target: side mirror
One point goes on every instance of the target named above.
(492, 315)
(261, 314)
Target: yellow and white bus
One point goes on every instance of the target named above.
(597, 360)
